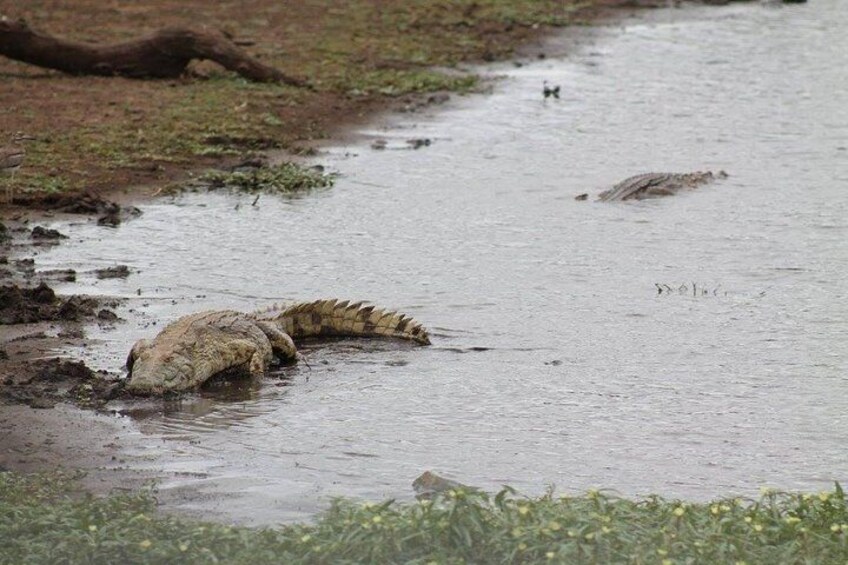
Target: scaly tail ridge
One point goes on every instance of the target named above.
(342, 318)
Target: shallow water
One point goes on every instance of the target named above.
(585, 376)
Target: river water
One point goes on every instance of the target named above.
(555, 358)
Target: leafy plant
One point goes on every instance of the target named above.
(285, 178)
(40, 522)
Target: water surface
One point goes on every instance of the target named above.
(555, 359)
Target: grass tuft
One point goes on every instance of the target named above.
(286, 178)
(39, 523)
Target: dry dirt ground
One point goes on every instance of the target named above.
(359, 56)
(99, 141)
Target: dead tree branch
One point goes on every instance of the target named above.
(163, 54)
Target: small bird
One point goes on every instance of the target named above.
(11, 158)
(548, 91)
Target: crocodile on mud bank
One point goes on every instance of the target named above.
(655, 185)
(199, 346)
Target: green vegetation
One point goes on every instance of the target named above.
(39, 523)
(286, 178)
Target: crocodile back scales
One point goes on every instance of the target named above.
(632, 187)
(335, 317)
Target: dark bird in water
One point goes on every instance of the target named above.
(550, 91)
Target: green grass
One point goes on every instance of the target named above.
(286, 178)
(40, 523)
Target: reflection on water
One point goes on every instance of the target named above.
(555, 359)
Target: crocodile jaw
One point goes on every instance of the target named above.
(156, 372)
(158, 368)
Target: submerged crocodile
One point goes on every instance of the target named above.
(654, 185)
(199, 346)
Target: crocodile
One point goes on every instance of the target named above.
(653, 185)
(196, 347)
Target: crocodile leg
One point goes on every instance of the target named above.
(281, 342)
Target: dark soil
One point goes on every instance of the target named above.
(29, 305)
(44, 383)
(30, 309)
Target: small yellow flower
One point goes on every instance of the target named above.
(516, 532)
(758, 527)
(368, 505)
(306, 538)
(834, 528)
(183, 546)
(765, 491)
(741, 563)
(792, 519)
(145, 544)
(844, 527)
(606, 529)
(748, 519)
(522, 546)
(724, 508)
(523, 510)
(667, 562)
(571, 533)
(377, 519)
(92, 528)
(806, 496)
(714, 510)
(317, 548)
(662, 551)
(592, 493)
(824, 496)
(679, 511)
(554, 526)
(590, 536)
(550, 555)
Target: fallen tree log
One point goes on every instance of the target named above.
(163, 54)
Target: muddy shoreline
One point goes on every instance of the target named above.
(51, 410)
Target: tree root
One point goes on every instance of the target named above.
(163, 54)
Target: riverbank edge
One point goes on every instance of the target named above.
(130, 140)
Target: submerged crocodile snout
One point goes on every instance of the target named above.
(155, 373)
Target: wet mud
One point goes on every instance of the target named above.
(35, 319)
(21, 305)
(43, 383)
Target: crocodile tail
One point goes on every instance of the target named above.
(343, 318)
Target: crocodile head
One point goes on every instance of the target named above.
(154, 369)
